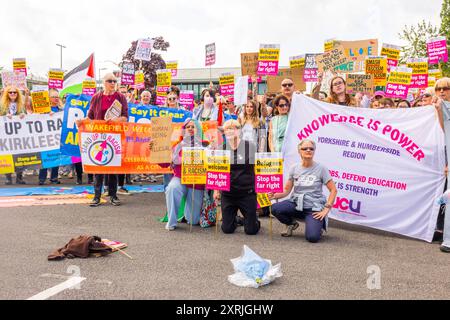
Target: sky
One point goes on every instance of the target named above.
(31, 29)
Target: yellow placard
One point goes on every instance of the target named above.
(89, 84)
(436, 73)
(164, 79)
(6, 164)
(297, 63)
(56, 75)
(377, 66)
(399, 77)
(263, 200)
(328, 46)
(269, 166)
(40, 102)
(193, 166)
(19, 64)
(390, 53)
(418, 67)
(431, 82)
(218, 164)
(269, 54)
(139, 78)
(226, 80)
(172, 65)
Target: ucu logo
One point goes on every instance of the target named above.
(346, 204)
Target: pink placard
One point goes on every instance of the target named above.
(174, 72)
(218, 181)
(310, 75)
(399, 91)
(89, 91)
(391, 63)
(268, 183)
(55, 84)
(187, 100)
(127, 79)
(269, 68)
(161, 95)
(419, 81)
(437, 51)
(227, 90)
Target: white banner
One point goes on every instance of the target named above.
(388, 164)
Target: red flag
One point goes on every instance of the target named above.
(220, 115)
(91, 70)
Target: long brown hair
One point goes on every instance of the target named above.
(333, 98)
(254, 117)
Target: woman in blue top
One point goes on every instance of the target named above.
(307, 201)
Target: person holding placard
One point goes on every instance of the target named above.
(55, 106)
(108, 105)
(191, 136)
(307, 201)
(12, 104)
(242, 195)
(278, 123)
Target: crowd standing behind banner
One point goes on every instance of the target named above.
(260, 127)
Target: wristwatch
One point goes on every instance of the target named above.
(329, 206)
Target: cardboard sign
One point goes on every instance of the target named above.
(16, 79)
(268, 57)
(139, 80)
(392, 53)
(193, 166)
(437, 50)
(377, 66)
(398, 82)
(331, 59)
(268, 172)
(144, 50)
(128, 74)
(218, 170)
(311, 68)
(274, 82)
(297, 62)
(419, 72)
(20, 65)
(210, 58)
(89, 87)
(40, 102)
(173, 66)
(357, 51)
(115, 111)
(249, 63)
(161, 134)
(56, 79)
(360, 83)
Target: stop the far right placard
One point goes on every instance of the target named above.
(268, 172)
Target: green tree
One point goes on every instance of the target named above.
(416, 37)
(445, 31)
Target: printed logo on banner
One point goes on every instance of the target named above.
(29, 160)
(348, 206)
(101, 149)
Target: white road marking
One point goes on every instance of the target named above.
(73, 281)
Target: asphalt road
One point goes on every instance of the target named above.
(184, 265)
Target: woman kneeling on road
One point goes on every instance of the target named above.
(307, 201)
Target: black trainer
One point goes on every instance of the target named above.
(445, 249)
(115, 201)
(95, 202)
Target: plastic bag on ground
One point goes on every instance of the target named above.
(252, 271)
(444, 199)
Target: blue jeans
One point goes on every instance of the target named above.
(53, 175)
(285, 212)
(174, 193)
(166, 180)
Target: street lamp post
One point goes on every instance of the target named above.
(99, 75)
(61, 47)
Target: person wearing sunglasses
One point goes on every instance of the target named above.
(55, 106)
(287, 88)
(100, 105)
(278, 123)
(338, 94)
(307, 201)
(173, 97)
(12, 104)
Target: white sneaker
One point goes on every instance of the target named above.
(170, 228)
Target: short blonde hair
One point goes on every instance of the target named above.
(232, 123)
(443, 82)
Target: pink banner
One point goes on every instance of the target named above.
(218, 181)
(269, 183)
(55, 84)
(419, 81)
(437, 51)
(399, 91)
(227, 90)
(161, 95)
(127, 79)
(391, 63)
(89, 91)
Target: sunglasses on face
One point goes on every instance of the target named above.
(283, 105)
(427, 95)
(307, 149)
(172, 99)
(111, 81)
(54, 97)
(284, 85)
(12, 92)
(442, 88)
